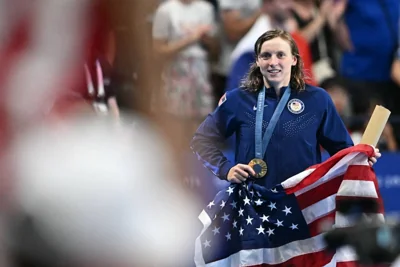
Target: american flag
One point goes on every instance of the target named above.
(249, 225)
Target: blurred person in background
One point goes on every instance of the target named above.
(367, 58)
(395, 71)
(315, 24)
(184, 36)
(340, 97)
(237, 17)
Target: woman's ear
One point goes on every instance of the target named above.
(294, 62)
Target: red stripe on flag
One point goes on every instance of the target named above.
(347, 264)
(360, 173)
(355, 264)
(323, 168)
(313, 259)
(317, 226)
(319, 193)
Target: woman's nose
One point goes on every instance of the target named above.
(273, 60)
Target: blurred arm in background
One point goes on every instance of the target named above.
(396, 68)
(210, 40)
(163, 44)
(338, 25)
(234, 24)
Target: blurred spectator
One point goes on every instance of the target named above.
(237, 17)
(315, 24)
(340, 97)
(183, 33)
(276, 14)
(369, 38)
(395, 72)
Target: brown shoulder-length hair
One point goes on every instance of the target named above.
(253, 82)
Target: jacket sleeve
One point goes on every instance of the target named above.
(212, 133)
(332, 134)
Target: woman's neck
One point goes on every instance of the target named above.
(277, 87)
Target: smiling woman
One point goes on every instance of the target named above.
(280, 122)
(278, 63)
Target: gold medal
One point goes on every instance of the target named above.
(259, 166)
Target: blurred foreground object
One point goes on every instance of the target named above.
(100, 193)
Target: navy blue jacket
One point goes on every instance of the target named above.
(295, 143)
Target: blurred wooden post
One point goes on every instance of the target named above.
(137, 15)
(375, 126)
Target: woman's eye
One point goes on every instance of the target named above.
(265, 56)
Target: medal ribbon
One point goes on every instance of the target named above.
(262, 143)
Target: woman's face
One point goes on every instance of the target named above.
(275, 61)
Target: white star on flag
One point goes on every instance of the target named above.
(225, 217)
(241, 231)
(287, 210)
(249, 220)
(234, 224)
(241, 212)
(264, 218)
(222, 204)
(272, 205)
(270, 231)
(228, 236)
(207, 244)
(258, 202)
(216, 230)
(279, 223)
(229, 190)
(246, 201)
(260, 230)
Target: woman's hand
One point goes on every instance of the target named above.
(240, 173)
(372, 160)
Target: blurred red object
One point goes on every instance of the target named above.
(24, 36)
(305, 54)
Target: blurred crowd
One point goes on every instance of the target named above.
(349, 48)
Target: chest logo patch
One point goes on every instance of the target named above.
(296, 106)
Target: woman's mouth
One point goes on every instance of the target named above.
(274, 71)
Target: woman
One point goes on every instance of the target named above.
(183, 35)
(307, 121)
